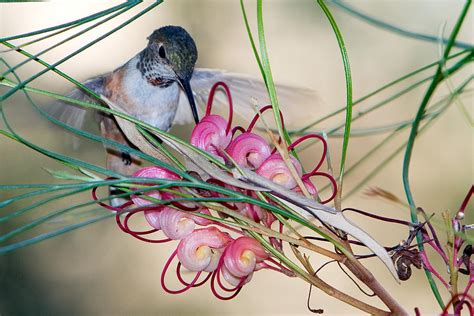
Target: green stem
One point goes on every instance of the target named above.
(394, 28)
(129, 118)
(252, 42)
(268, 75)
(411, 140)
(62, 74)
(380, 167)
(33, 57)
(347, 74)
(52, 234)
(371, 94)
(73, 23)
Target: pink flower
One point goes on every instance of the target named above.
(176, 224)
(152, 172)
(202, 249)
(210, 134)
(153, 218)
(275, 169)
(241, 258)
(309, 186)
(249, 150)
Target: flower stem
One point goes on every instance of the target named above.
(439, 76)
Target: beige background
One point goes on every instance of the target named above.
(98, 270)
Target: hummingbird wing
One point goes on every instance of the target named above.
(247, 91)
(75, 115)
(71, 113)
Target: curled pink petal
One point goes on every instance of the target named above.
(210, 134)
(153, 218)
(234, 280)
(229, 98)
(156, 172)
(257, 116)
(175, 224)
(309, 186)
(249, 150)
(325, 148)
(152, 172)
(307, 182)
(242, 255)
(201, 220)
(251, 211)
(269, 219)
(275, 169)
(197, 251)
(186, 206)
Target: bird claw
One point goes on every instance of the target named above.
(126, 158)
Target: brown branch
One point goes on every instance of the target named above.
(365, 276)
(328, 289)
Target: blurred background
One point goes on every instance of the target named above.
(97, 270)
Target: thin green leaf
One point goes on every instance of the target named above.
(348, 77)
(72, 23)
(394, 28)
(33, 57)
(268, 77)
(52, 234)
(413, 133)
(62, 74)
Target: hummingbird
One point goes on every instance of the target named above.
(156, 85)
(148, 86)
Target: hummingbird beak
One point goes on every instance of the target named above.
(189, 93)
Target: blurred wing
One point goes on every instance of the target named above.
(72, 114)
(246, 90)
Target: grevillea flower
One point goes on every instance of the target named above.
(249, 150)
(213, 132)
(153, 218)
(275, 169)
(241, 258)
(312, 189)
(210, 134)
(210, 249)
(176, 224)
(233, 280)
(152, 172)
(255, 212)
(309, 186)
(201, 250)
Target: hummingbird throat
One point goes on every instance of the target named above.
(153, 70)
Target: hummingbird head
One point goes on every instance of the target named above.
(170, 56)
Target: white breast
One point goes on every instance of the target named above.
(154, 105)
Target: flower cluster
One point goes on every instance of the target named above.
(206, 245)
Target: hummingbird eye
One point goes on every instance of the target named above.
(161, 52)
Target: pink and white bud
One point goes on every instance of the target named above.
(249, 150)
(232, 279)
(175, 224)
(201, 249)
(309, 186)
(153, 218)
(242, 255)
(275, 169)
(152, 172)
(210, 134)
